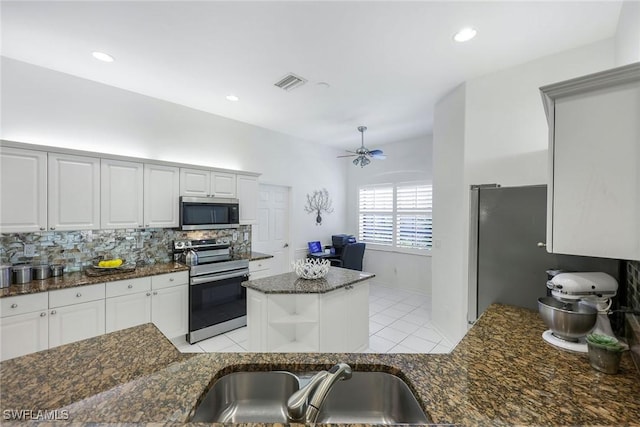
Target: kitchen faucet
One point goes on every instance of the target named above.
(304, 405)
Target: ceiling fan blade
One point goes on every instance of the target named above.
(378, 156)
(374, 152)
(347, 155)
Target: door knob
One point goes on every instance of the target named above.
(286, 245)
(542, 245)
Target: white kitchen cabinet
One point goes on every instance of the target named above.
(24, 325)
(195, 182)
(121, 194)
(336, 321)
(346, 310)
(247, 188)
(169, 310)
(594, 192)
(223, 184)
(76, 322)
(73, 192)
(170, 303)
(161, 196)
(260, 268)
(76, 313)
(23, 190)
(204, 183)
(128, 303)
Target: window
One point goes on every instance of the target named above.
(396, 215)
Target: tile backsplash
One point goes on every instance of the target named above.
(633, 285)
(77, 249)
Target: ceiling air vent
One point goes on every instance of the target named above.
(290, 82)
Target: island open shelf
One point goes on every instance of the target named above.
(288, 314)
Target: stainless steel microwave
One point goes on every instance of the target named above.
(208, 213)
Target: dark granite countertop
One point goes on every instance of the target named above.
(501, 373)
(290, 283)
(256, 256)
(70, 280)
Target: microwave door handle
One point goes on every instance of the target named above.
(208, 279)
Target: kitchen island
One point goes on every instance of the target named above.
(501, 373)
(286, 313)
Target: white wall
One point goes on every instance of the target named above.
(628, 33)
(406, 161)
(447, 290)
(41, 106)
(504, 140)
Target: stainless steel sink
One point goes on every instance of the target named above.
(372, 398)
(246, 397)
(261, 397)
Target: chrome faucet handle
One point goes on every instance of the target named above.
(299, 401)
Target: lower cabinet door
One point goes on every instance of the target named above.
(358, 318)
(23, 334)
(169, 310)
(76, 322)
(127, 311)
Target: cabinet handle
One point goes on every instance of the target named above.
(155, 293)
(140, 226)
(43, 314)
(146, 225)
(14, 305)
(42, 228)
(78, 295)
(148, 294)
(53, 312)
(130, 286)
(542, 245)
(52, 228)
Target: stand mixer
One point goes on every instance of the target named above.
(591, 289)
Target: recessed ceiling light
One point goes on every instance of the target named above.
(232, 98)
(101, 56)
(465, 34)
(323, 85)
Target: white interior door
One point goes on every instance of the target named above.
(271, 233)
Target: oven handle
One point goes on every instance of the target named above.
(209, 279)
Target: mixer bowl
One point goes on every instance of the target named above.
(567, 320)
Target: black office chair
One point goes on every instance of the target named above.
(351, 257)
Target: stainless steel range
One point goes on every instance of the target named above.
(217, 301)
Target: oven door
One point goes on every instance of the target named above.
(217, 304)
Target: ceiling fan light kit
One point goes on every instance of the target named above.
(363, 154)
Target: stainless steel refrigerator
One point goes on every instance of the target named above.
(507, 257)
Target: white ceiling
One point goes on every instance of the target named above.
(387, 62)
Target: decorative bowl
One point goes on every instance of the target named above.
(567, 320)
(311, 268)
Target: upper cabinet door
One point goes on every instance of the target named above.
(195, 182)
(121, 194)
(248, 199)
(223, 184)
(161, 196)
(23, 190)
(594, 193)
(74, 192)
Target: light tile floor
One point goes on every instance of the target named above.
(399, 322)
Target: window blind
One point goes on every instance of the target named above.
(396, 215)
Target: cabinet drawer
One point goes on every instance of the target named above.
(76, 295)
(21, 304)
(127, 287)
(262, 264)
(167, 280)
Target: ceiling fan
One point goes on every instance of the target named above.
(363, 153)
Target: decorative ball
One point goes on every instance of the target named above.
(311, 268)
